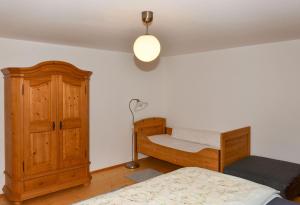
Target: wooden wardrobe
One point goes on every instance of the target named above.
(46, 129)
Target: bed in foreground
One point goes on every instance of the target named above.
(191, 186)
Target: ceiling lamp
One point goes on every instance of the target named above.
(146, 47)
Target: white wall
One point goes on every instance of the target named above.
(255, 85)
(115, 80)
(219, 90)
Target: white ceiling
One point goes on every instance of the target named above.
(182, 26)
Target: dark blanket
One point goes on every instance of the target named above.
(280, 175)
(280, 201)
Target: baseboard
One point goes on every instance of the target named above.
(107, 168)
(114, 166)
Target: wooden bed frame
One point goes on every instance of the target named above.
(235, 145)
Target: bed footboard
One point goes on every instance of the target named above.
(235, 145)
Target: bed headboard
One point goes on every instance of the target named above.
(148, 126)
(151, 126)
(235, 145)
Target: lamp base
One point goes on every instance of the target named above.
(132, 165)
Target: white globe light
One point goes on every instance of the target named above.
(146, 48)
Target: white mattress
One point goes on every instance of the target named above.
(179, 144)
(188, 140)
(207, 137)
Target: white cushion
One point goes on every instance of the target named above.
(179, 144)
(211, 138)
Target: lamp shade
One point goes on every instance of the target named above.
(146, 48)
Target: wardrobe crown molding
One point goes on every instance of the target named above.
(59, 67)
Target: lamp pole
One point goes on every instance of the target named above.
(133, 164)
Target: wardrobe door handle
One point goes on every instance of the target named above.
(60, 125)
(53, 125)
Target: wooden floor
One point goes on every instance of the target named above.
(102, 182)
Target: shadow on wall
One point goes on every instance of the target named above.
(146, 66)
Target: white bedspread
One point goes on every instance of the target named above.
(189, 186)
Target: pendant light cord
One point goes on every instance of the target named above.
(147, 28)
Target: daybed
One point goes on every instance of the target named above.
(185, 147)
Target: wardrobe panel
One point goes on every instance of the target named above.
(40, 101)
(71, 100)
(40, 139)
(73, 141)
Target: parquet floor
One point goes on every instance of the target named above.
(102, 182)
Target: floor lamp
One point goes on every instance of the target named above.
(135, 105)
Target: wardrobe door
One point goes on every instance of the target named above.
(73, 121)
(40, 137)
